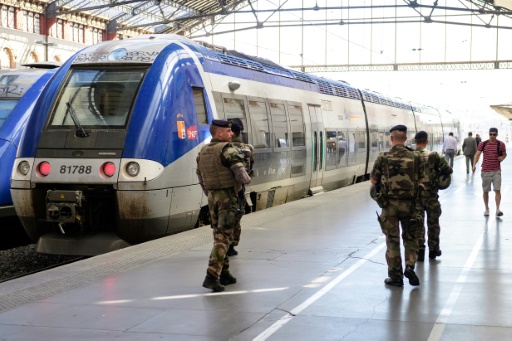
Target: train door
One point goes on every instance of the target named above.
(317, 145)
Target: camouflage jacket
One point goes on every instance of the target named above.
(398, 172)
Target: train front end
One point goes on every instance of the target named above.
(18, 90)
(88, 178)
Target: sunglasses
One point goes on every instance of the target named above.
(493, 134)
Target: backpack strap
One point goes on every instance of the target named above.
(498, 146)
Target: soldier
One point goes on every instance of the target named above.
(247, 150)
(435, 166)
(396, 176)
(221, 173)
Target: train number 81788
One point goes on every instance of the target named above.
(75, 169)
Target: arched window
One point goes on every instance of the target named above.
(6, 59)
(33, 57)
(57, 58)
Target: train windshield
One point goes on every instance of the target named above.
(97, 98)
(6, 107)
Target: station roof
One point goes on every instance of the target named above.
(185, 16)
(157, 16)
(504, 110)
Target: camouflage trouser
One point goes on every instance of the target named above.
(433, 209)
(399, 212)
(223, 205)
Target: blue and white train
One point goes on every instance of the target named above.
(18, 91)
(108, 158)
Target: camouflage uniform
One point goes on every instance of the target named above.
(247, 150)
(397, 173)
(222, 200)
(434, 165)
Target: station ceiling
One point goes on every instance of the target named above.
(191, 16)
(503, 109)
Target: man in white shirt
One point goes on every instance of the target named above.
(449, 148)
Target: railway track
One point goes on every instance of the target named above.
(18, 256)
(24, 260)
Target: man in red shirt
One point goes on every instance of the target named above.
(494, 152)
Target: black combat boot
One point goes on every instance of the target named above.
(432, 254)
(232, 251)
(210, 282)
(411, 275)
(226, 279)
(421, 255)
(394, 282)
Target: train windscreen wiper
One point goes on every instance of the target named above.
(80, 131)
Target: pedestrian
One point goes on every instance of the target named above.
(248, 151)
(478, 139)
(449, 148)
(469, 147)
(221, 173)
(396, 176)
(494, 152)
(435, 165)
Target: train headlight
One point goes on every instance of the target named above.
(132, 168)
(24, 167)
(44, 168)
(109, 169)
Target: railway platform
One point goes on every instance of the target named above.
(312, 269)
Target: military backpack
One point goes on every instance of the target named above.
(400, 174)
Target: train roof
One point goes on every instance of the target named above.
(14, 83)
(145, 48)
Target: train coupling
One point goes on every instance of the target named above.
(64, 206)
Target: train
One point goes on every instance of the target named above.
(18, 88)
(108, 157)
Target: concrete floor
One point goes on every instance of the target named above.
(308, 270)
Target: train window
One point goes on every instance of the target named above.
(260, 124)
(6, 80)
(388, 140)
(326, 105)
(331, 149)
(235, 108)
(381, 141)
(361, 146)
(97, 98)
(352, 147)
(342, 149)
(202, 117)
(279, 125)
(297, 126)
(6, 107)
